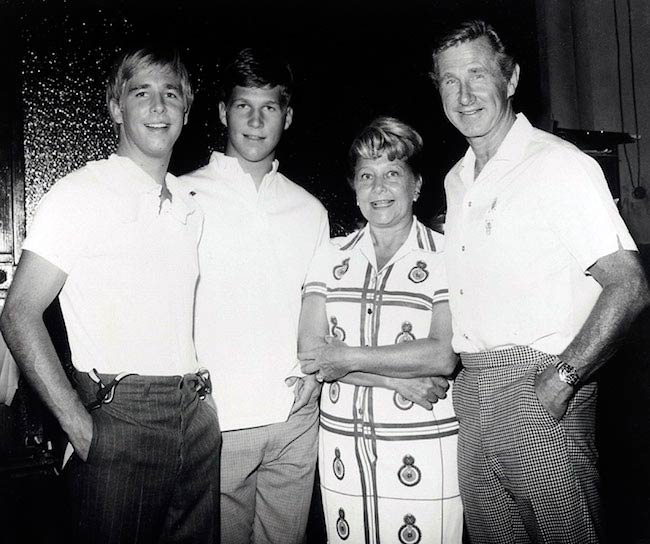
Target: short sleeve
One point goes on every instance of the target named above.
(60, 229)
(320, 270)
(576, 204)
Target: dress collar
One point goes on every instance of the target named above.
(367, 248)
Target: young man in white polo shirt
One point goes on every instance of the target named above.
(543, 279)
(261, 231)
(117, 241)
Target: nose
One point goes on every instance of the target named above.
(465, 95)
(157, 103)
(255, 119)
(378, 184)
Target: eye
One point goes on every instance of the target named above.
(393, 173)
(270, 108)
(447, 82)
(141, 94)
(364, 177)
(172, 94)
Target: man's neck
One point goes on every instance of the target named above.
(155, 167)
(485, 147)
(256, 170)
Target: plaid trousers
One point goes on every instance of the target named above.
(524, 476)
(267, 479)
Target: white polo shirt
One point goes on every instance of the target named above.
(254, 255)
(520, 239)
(128, 298)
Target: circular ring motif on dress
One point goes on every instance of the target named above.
(402, 402)
(335, 391)
(408, 473)
(409, 533)
(406, 335)
(342, 527)
(337, 465)
(419, 272)
(339, 270)
(335, 330)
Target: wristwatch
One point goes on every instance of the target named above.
(566, 372)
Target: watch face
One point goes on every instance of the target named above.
(567, 373)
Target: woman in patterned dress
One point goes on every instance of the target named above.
(376, 327)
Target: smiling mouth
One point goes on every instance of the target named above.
(156, 125)
(470, 112)
(381, 203)
(254, 138)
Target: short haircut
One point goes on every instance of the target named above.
(128, 63)
(470, 31)
(257, 69)
(387, 136)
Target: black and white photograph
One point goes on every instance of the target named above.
(309, 272)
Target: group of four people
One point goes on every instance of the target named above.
(231, 269)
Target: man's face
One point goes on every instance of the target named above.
(475, 95)
(151, 114)
(255, 120)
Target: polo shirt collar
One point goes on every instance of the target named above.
(230, 166)
(136, 187)
(514, 144)
(512, 148)
(367, 248)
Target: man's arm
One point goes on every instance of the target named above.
(624, 296)
(36, 283)
(431, 356)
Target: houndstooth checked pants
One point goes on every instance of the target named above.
(524, 476)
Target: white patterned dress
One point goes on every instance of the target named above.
(387, 466)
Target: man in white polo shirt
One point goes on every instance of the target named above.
(543, 280)
(117, 241)
(261, 231)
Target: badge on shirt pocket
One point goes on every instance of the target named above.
(419, 272)
(339, 270)
(489, 218)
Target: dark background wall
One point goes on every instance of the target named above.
(352, 61)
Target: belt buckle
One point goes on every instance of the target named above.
(204, 385)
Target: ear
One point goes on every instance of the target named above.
(514, 81)
(288, 117)
(223, 117)
(417, 187)
(115, 111)
(186, 116)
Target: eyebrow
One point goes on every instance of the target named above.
(137, 87)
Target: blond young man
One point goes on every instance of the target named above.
(117, 241)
